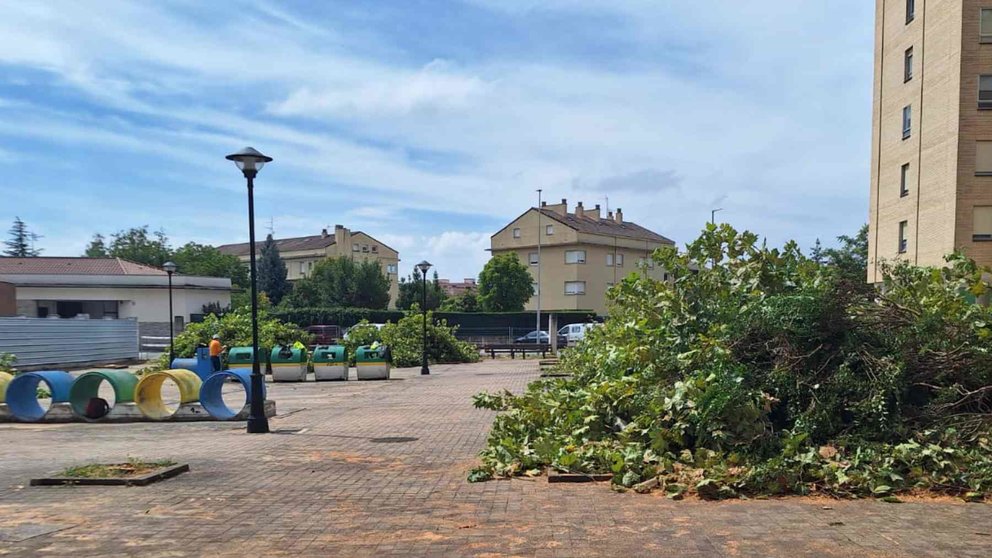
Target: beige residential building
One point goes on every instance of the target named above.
(931, 181)
(301, 254)
(582, 253)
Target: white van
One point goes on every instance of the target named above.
(575, 332)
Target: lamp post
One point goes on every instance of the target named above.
(713, 213)
(170, 268)
(540, 211)
(423, 267)
(250, 162)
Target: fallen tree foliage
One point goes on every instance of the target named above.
(761, 371)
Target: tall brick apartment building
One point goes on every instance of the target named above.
(931, 181)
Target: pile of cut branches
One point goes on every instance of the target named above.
(762, 371)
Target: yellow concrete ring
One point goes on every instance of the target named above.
(5, 379)
(148, 394)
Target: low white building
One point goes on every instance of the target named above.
(109, 288)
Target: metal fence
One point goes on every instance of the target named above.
(43, 342)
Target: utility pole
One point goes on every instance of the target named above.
(539, 214)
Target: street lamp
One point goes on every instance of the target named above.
(713, 213)
(250, 162)
(423, 267)
(170, 268)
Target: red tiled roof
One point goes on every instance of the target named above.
(298, 244)
(607, 227)
(74, 266)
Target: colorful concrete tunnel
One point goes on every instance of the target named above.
(148, 394)
(84, 394)
(22, 393)
(212, 393)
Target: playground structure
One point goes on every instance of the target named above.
(201, 388)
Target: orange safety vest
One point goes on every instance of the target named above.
(214, 347)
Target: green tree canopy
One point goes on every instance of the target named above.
(272, 272)
(207, 261)
(341, 282)
(465, 302)
(139, 245)
(505, 284)
(412, 292)
(20, 244)
(97, 248)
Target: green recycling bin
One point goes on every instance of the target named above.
(330, 362)
(372, 364)
(239, 358)
(289, 364)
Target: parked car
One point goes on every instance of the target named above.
(377, 326)
(324, 334)
(545, 339)
(575, 332)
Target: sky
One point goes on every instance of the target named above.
(430, 124)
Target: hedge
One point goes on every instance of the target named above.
(347, 317)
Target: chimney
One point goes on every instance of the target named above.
(595, 213)
(323, 233)
(580, 211)
(544, 204)
(560, 208)
(609, 216)
(342, 237)
(619, 219)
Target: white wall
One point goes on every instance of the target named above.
(147, 302)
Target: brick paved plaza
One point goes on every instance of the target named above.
(325, 485)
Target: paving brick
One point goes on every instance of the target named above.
(323, 487)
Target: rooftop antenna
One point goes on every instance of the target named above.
(271, 227)
(607, 204)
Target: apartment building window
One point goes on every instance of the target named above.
(609, 260)
(549, 230)
(983, 158)
(910, 11)
(575, 256)
(573, 288)
(907, 65)
(985, 26)
(375, 249)
(982, 227)
(355, 248)
(907, 121)
(985, 92)
(904, 181)
(532, 258)
(391, 269)
(516, 233)
(536, 288)
(903, 243)
(619, 260)
(365, 248)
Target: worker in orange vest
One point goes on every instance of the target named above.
(215, 350)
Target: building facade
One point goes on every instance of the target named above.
(931, 181)
(301, 254)
(582, 253)
(109, 288)
(453, 289)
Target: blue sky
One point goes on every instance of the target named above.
(430, 124)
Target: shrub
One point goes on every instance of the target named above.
(234, 329)
(757, 371)
(7, 362)
(405, 340)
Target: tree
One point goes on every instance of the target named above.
(505, 284)
(97, 248)
(20, 244)
(465, 302)
(412, 292)
(851, 257)
(341, 282)
(272, 272)
(140, 246)
(207, 261)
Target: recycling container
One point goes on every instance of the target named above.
(372, 364)
(239, 358)
(330, 362)
(289, 364)
(202, 365)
